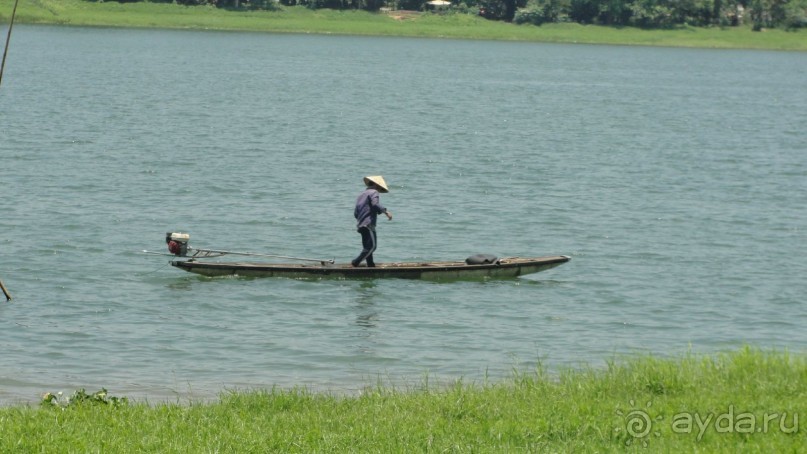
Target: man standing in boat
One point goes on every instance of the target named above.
(368, 207)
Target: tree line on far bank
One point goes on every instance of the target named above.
(788, 14)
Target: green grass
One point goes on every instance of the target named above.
(461, 26)
(593, 410)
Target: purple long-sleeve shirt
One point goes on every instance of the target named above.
(368, 207)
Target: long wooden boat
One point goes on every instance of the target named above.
(502, 268)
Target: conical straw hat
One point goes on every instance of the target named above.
(379, 180)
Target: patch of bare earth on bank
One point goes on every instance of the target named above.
(401, 14)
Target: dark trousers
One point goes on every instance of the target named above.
(369, 241)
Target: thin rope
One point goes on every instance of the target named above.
(149, 273)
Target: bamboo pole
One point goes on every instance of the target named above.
(8, 38)
(5, 291)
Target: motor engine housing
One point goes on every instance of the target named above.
(177, 243)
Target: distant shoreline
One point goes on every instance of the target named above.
(392, 23)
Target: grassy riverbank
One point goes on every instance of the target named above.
(303, 20)
(748, 401)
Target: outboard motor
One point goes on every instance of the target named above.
(177, 243)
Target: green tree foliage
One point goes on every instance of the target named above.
(240, 4)
(761, 14)
(410, 5)
(369, 5)
(795, 14)
(774, 13)
(668, 13)
(500, 9)
(584, 11)
(539, 12)
(651, 14)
